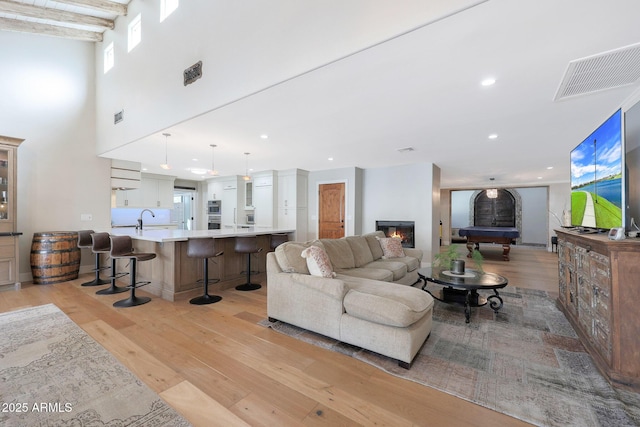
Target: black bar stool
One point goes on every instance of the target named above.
(204, 248)
(247, 245)
(102, 245)
(122, 248)
(277, 240)
(85, 242)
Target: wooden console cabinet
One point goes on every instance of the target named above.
(599, 292)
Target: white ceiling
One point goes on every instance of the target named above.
(422, 89)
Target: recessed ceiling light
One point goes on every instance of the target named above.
(330, 159)
(539, 177)
(549, 167)
(493, 136)
(195, 160)
(488, 82)
(264, 136)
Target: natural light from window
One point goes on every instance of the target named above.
(167, 7)
(135, 32)
(108, 57)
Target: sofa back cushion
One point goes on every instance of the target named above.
(289, 256)
(339, 252)
(374, 244)
(360, 248)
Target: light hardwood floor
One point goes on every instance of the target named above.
(216, 366)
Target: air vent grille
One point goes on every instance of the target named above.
(406, 149)
(608, 70)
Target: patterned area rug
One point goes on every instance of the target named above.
(54, 374)
(526, 362)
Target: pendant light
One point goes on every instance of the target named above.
(492, 193)
(213, 171)
(165, 165)
(246, 173)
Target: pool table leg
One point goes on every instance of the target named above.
(506, 248)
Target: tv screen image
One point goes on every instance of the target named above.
(597, 181)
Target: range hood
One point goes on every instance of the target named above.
(125, 175)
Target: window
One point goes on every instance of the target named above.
(135, 32)
(167, 7)
(108, 57)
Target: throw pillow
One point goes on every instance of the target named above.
(391, 247)
(318, 262)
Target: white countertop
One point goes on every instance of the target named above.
(166, 235)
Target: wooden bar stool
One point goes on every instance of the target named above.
(85, 242)
(122, 248)
(102, 245)
(247, 245)
(204, 248)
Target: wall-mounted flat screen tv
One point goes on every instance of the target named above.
(597, 177)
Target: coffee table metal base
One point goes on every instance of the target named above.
(468, 296)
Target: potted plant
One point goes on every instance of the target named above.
(445, 259)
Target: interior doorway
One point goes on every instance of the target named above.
(331, 210)
(183, 209)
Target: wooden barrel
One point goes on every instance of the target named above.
(55, 257)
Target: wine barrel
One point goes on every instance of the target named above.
(55, 257)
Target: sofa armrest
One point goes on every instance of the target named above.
(331, 288)
(415, 253)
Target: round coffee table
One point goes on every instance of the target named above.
(463, 288)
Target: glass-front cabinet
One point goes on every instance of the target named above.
(9, 235)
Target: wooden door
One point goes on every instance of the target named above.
(331, 207)
(498, 212)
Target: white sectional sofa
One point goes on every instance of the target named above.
(367, 301)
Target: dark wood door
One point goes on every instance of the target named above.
(498, 212)
(331, 211)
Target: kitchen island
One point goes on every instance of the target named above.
(174, 276)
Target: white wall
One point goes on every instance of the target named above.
(148, 81)
(47, 88)
(405, 193)
(534, 216)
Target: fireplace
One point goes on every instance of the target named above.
(403, 229)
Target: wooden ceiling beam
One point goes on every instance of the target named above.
(101, 5)
(23, 9)
(49, 30)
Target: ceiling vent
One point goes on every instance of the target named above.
(406, 150)
(608, 70)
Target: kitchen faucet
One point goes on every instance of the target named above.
(140, 219)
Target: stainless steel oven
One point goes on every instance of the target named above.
(214, 222)
(214, 207)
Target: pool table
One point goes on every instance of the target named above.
(501, 235)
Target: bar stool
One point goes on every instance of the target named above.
(277, 240)
(247, 245)
(122, 248)
(204, 248)
(102, 245)
(84, 242)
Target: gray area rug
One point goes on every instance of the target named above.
(54, 374)
(526, 362)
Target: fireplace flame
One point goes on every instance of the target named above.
(398, 235)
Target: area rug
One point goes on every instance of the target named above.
(526, 362)
(52, 373)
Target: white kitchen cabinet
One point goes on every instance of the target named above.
(264, 206)
(214, 189)
(292, 201)
(157, 192)
(232, 201)
(129, 198)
